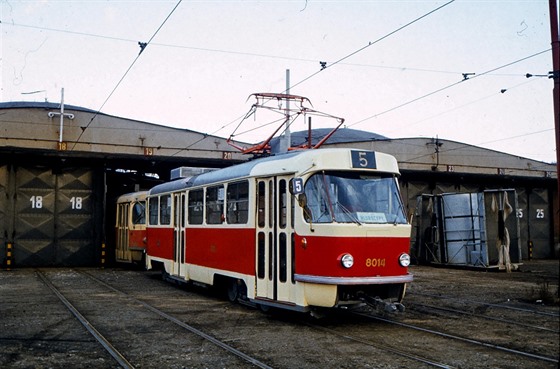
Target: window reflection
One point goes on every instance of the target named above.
(345, 197)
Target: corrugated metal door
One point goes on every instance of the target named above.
(53, 217)
(539, 220)
(74, 218)
(522, 211)
(3, 213)
(34, 217)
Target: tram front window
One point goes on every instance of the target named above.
(346, 197)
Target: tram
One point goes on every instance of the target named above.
(302, 230)
(130, 228)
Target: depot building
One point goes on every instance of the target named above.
(62, 168)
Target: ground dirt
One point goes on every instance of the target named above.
(515, 311)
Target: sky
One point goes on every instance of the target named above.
(396, 68)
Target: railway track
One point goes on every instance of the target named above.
(471, 341)
(426, 308)
(151, 323)
(383, 347)
(419, 341)
(184, 325)
(105, 340)
(116, 354)
(553, 314)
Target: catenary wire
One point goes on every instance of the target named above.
(447, 87)
(142, 48)
(461, 106)
(371, 43)
(232, 52)
(252, 54)
(464, 145)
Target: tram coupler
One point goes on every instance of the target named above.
(384, 306)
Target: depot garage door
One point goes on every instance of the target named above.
(53, 217)
(3, 212)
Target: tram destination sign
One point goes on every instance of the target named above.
(363, 159)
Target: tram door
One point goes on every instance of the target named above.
(275, 232)
(121, 248)
(178, 234)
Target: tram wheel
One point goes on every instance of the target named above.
(264, 308)
(232, 290)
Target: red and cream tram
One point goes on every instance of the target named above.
(301, 230)
(130, 228)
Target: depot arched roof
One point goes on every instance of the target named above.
(341, 135)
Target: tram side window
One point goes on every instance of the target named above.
(196, 206)
(139, 213)
(238, 203)
(215, 204)
(261, 204)
(121, 209)
(165, 209)
(283, 203)
(153, 209)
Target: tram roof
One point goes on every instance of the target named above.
(219, 175)
(133, 196)
(262, 167)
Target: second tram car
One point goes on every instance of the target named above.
(302, 230)
(130, 228)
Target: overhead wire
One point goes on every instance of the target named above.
(142, 48)
(232, 52)
(464, 145)
(371, 43)
(309, 77)
(466, 104)
(478, 75)
(302, 81)
(339, 61)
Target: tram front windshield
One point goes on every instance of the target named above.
(346, 197)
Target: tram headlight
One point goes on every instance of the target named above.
(404, 260)
(347, 260)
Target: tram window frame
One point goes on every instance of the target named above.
(293, 254)
(283, 267)
(261, 212)
(215, 198)
(196, 206)
(283, 203)
(237, 202)
(165, 210)
(183, 210)
(153, 210)
(271, 210)
(120, 216)
(138, 210)
(261, 254)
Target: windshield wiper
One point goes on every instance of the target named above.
(349, 213)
